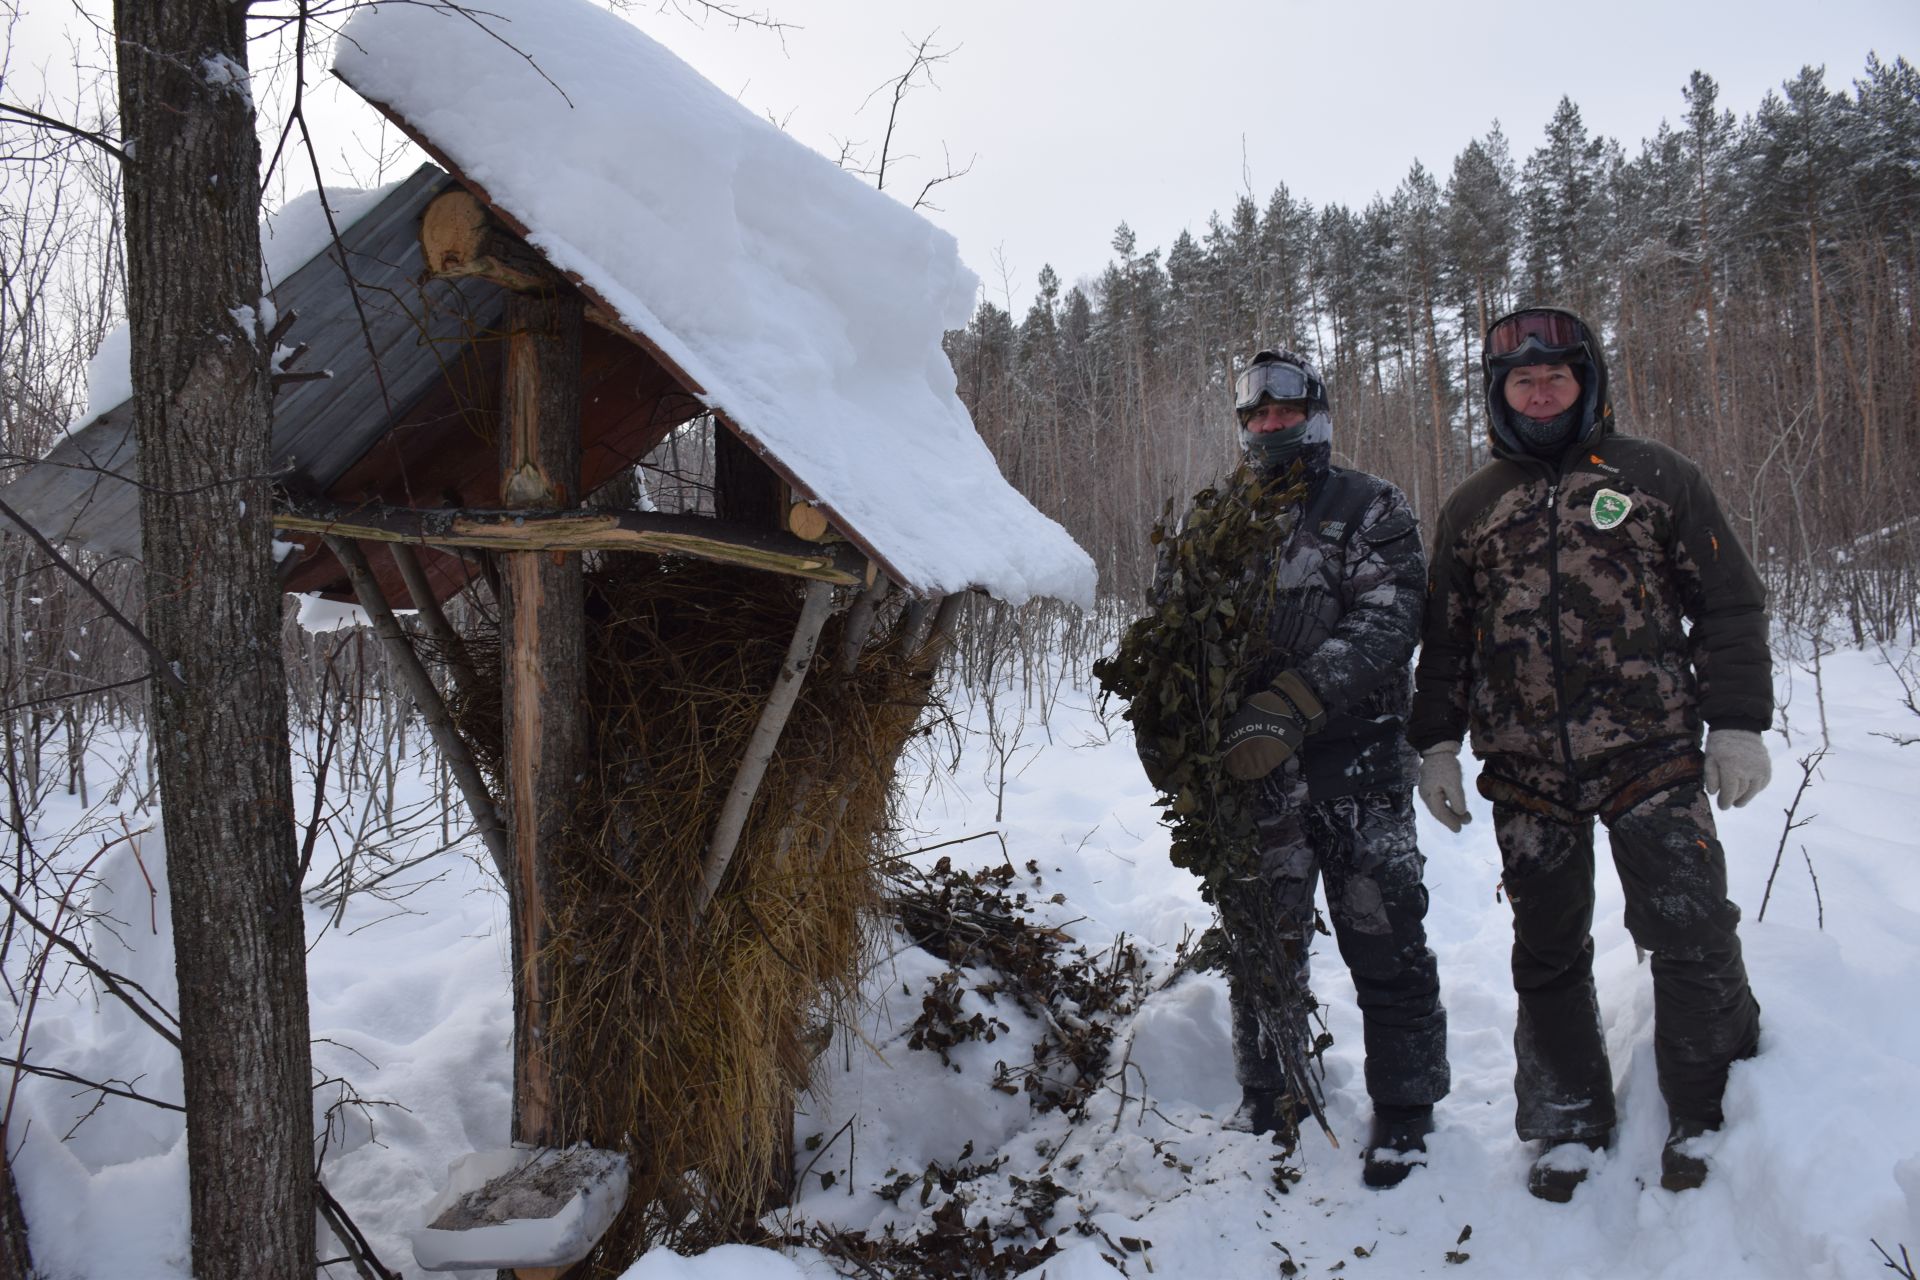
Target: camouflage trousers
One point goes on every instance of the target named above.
(1364, 846)
(1674, 874)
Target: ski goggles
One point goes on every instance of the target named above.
(1275, 380)
(1551, 335)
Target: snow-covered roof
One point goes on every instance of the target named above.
(804, 306)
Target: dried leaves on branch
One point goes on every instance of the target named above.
(979, 1223)
(976, 922)
(1183, 668)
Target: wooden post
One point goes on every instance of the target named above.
(453, 748)
(438, 628)
(542, 628)
(760, 748)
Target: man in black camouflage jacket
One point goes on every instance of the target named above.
(1325, 735)
(1589, 608)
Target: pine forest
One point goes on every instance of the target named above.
(1755, 279)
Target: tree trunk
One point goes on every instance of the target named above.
(542, 626)
(16, 1258)
(201, 419)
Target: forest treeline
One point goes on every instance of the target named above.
(1755, 280)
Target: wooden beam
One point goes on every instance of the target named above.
(460, 237)
(453, 748)
(439, 630)
(808, 522)
(543, 639)
(529, 530)
(760, 748)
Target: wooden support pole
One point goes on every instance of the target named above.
(860, 623)
(453, 748)
(946, 619)
(438, 628)
(543, 635)
(766, 736)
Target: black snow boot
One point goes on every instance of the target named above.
(1562, 1167)
(1267, 1111)
(1680, 1171)
(1397, 1144)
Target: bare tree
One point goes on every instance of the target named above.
(202, 388)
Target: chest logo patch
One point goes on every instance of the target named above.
(1610, 508)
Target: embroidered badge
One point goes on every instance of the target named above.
(1332, 530)
(1610, 508)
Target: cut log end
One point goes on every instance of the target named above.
(804, 520)
(459, 236)
(452, 231)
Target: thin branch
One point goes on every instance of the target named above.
(61, 126)
(159, 660)
(104, 1087)
(923, 61)
(76, 693)
(359, 1252)
(1808, 764)
(920, 201)
(112, 981)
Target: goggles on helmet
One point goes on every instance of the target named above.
(1275, 380)
(1540, 335)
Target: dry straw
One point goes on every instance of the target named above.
(683, 1042)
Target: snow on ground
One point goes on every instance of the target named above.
(1821, 1154)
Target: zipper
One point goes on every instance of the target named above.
(1553, 610)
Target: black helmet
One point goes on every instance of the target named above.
(1277, 375)
(1281, 376)
(1544, 335)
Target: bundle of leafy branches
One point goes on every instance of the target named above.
(1184, 667)
(681, 1037)
(977, 922)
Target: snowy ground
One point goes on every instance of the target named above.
(1820, 1157)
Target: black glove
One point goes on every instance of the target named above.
(1269, 726)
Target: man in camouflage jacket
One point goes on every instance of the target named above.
(1589, 608)
(1324, 733)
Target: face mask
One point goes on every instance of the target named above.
(1274, 449)
(1545, 438)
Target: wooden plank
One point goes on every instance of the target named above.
(649, 531)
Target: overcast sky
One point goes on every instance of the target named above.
(1077, 115)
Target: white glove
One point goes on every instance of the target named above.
(1737, 766)
(1440, 787)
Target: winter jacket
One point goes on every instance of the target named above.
(1348, 583)
(1575, 613)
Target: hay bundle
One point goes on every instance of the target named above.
(682, 1042)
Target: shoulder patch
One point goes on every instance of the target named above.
(1395, 526)
(1609, 508)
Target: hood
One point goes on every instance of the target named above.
(1596, 409)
